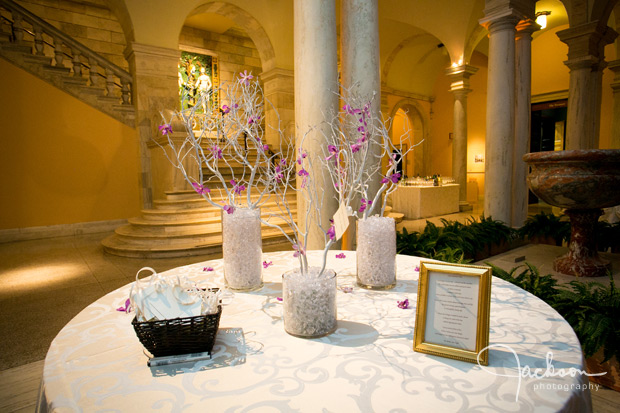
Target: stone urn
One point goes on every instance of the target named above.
(583, 181)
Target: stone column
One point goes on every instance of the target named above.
(459, 86)
(316, 80)
(615, 121)
(523, 121)
(586, 44)
(154, 70)
(279, 88)
(359, 53)
(500, 116)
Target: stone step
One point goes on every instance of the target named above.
(162, 248)
(187, 199)
(198, 216)
(398, 217)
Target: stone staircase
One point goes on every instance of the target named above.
(183, 224)
(29, 42)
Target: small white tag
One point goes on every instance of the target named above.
(341, 221)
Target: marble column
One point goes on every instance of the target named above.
(500, 128)
(155, 89)
(523, 121)
(361, 72)
(459, 86)
(586, 43)
(279, 89)
(615, 120)
(316, 80)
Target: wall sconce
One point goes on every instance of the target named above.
(541, 18)
(479, 158)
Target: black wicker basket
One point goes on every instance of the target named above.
(179, 335)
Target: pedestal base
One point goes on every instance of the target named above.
(582, 259)
(593, 267)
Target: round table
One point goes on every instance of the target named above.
(96, 362)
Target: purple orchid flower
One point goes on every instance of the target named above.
(217, 152)
(126, 308)
(334, 152)
(208, 269)
(403, 304)
(236, 187)
(341, 255)
(267, 264)
(279, 175)
(201, 189)
(245, 77)
(265, 148)
(279, 298)
(417, 268)
(254, 120)
(365, 203)
(229, 209)
(302, 156)
(299, 250)
(303, 172)
(165, 129)
(225, 109)
(331, 232)
(394, 178)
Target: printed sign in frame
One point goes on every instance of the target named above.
(453, 311)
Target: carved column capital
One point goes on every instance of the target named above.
(459, 78)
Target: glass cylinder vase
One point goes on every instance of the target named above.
(376, 253)
(309, 302)
(242, 249)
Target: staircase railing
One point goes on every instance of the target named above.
(116, 81)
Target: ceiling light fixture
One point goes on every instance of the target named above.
(541, 18)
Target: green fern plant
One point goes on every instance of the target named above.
(546, 225)
(543, 287)
(592, 310)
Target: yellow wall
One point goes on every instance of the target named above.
(61, 161)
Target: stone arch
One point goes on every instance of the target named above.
(385, 71)
(253, 28)
(420, 124)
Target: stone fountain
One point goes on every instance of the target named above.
(583, 181)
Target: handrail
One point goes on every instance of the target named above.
(55, 33)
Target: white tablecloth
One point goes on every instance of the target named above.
(96, 362)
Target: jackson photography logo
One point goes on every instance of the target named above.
(541, 373)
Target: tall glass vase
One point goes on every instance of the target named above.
(309, 302)
(376, 253)
(242, 248)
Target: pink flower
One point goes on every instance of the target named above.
(302, 156)
(217, 152)
(245, 77)
(266, 264)
(165, 129)
(253, 120)
(334, 152)
(364, 204)
(201, 189)
(417, 268)
(403, 304)
(236, 187)
(265, 148)
(394, 178)
(207, 269)
(279, 175)
(355, 147)
(341, 255)
(229, 209)
(303, 172)
(225, 109)
(299, 250)
(126, 308)
(279, 298)
(331, 232)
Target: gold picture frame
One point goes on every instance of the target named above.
(453, 311)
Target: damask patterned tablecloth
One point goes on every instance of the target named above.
(96, 362)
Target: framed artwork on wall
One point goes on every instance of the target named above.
(198, 74)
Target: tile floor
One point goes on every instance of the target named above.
(44, 283)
